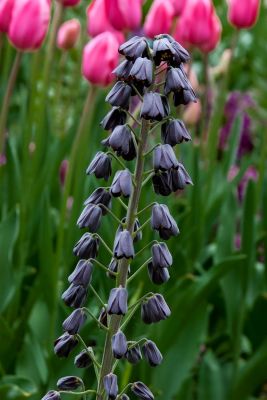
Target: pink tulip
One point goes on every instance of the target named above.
(159, 18)
(124, 14)
(216, 30)
(178, 6)
(68, 34)
(6, 7)
(243, 14)
(69, 3)
(29, 24)
(100, 57)
(98, 22)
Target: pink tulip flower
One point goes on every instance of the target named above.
(100, 57)
(216, 30)
(69, 3)
(6, 7)
(178, 6)
(159, 18)
(124, 15)
(243, 14)
(29, 24)
(68, 34)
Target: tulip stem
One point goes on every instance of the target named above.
(139, 270)
(7, 98)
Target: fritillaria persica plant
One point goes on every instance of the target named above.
(151, 72)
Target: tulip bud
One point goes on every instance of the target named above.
(6, 8)
(159, 18)
(65, 344)
(102, 49)
(75, 321)
(243, 14)
(178, 6)
(69, 3)
(117, 302)
(215, 35)
(69, 383)
(141, 391)
(63, 170)
(124, 15)
(52, 395)
(29, 24)
(155, 309)
(68, 34)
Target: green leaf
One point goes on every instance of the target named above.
(16, 388)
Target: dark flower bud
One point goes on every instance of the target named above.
(163, 222)
(121, 141)
(120, 95)
(134, 354)
(121, 184)
(180, 178)
(115, 117)
(86, 247)
(51, 395)
(65, 344)
(125, 397)
(142, 391)
(75, 321)
(155, 309)
(113, 267)
(164, 158)
(181, 55)
(165, 48)
(157, 275)
(122, 71)
(82, 360)
(90, 217)
(137, 235)
(103, 317)
(123, 245)
(82, 273)
(75, 296)
(117, 302)
(174, 132)
(69, 383)
(152, 353)
(135, 47)
(111, 386)
(142, 71)
(100, 197)
(162, 183)
(176, 80)
(100, 166)
(161, 256)
(184, 96)
(154, 107)
(119, 345)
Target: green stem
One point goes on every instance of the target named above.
(89, 352)
(139, 270)
(94, 318)
(97, 296)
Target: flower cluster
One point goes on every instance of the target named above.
(137, 77)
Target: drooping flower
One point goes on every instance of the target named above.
(117, 302)
(152, 353)
(69, 383)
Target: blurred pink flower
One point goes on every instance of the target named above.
(29, 24)
(251, 173)
(6, 7)
(68, 34)
(159, 18)
(243, 14)
(178, 6)
(216, 30)
(124, 15)
(100, 57)
(69, 3)
(63, 170)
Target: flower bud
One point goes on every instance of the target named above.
(215, 35)
(75, 296)
(176, 80)
(133, 354)
(141, 391)
(157, 275)
(100, 197)
(159, 18)
(123, 245)
(90, 218)
(122, 71)
(154, 309)
(115, 117)
(121, 184)
(29, 24)
(68, 34)
(152, 353)
(161, 256)
(65, 344)
(154, 107)
(162, 183)
(135, 47)
(119, 345)
(103, 47)
(180, 178)
(142, 71)
(103, 317)
(125, 397)
(111, 386)
(100, 166)
(243, 15)
(117, 302)
(164, 158)
(174, 132)
(121, 141)
(184, 97)
(82, 273)
(124, 16)
(69, 3)
(178, 6)
(82, 360)
(6, 8)
(69, 383)
(75, 321)
(166, 49)
(63, 170)
(52, 395)
(86, 247)
(120, 95)
(163, 222)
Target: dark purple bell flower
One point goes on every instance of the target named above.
(65, 344)
(155, 309)
(117, 302)
(112, 267)
(184, 96)
(111, 386)
(119, 345)
(122, 71)
(152, 353)
(51, 395)
(164, 158)
(75, 321)
(100, 166)
(90, 217)
(82, 273)
(163, 222)
(176, 80)
(137, 235)
(75, 296)
(142, 391)
(155, 106)
(103, 317)
(86, 247)
(100, 197)
(69, 383)
(121, 184)
(157, 275)
(174, 132)
(120, 95)
(116, 116)
(135, 47)
(162, 183)
(134, 354)
(142, 71)
(161, 256)
(121, 141)
(166, 49)
(82, 360)
(180, 178)
(181, 55)
(123, 245)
